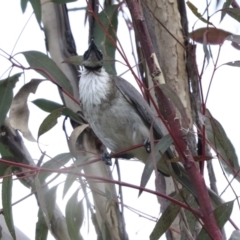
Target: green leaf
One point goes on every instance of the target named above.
(41, 227)
(6, 95)
(75, 60)
(39, 60)
(233, 12)
(36, 5)
(3, 168)
(197, 14)
(108, 18)
(159, 150)
(225, 5)
(168, 216)
(55, 163)
(24, 5)
(7, 201)
(63, 1)
(50, 198)
(222, 214)
(41, 201)
(233, 63)
(74, 216)
(50, 106)
(68, 183)
(191, 218)
(219, 140)
(4, 151)
(49, 122)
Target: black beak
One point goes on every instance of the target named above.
(93, 48)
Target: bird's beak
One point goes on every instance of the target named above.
(93, 58)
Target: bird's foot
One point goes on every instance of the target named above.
(147, 145)
(106, 159)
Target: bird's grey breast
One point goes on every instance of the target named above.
(114, 119)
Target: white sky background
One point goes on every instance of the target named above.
(223, 103)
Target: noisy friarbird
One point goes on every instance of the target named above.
(115, 110)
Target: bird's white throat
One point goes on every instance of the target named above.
(93, 86)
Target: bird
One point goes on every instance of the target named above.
(115, 110)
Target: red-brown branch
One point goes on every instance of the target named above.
(177, 125)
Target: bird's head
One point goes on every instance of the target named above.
(93, 57)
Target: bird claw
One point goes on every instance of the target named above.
(147, 145)
(106, 159)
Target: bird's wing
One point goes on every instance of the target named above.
(135, 98)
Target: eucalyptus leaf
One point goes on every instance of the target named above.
(196, 13)
(36, 5)
(226, 4)
(6, 95)
(49, 122)
(50, 198)
(7, 201)
(43, 63)
(41, 227)
(24, 5)
(50, 106)
(68, 183)
(219, 140)
(222, 214)
(74, 216)
(19, 112)
(108, 18)
(168, 216)
(55, 163)
(159, 150)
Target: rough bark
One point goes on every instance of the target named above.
(58, 33)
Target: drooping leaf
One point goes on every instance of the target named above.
(41, 61)
(50, 106)
(74, 216)
(233, 38)
(108, 18)
(205, 47)
(49, 122)
(233, 64)
(168, 216)
(41, 201)
(7, 201)
(226, 4)
(191, 218)
(24, 5)
(19, 112)
(68, 183)
(235, 235)
(73, 138)
(55, 163)
(159, 150)
(75, 60)
(50, 198)
(213, 35)
(219, 140)
(232, 12)
(41, 227)
(36, 5)
(222, 214)
(3, 168)
(6, 95)
(4, 151)
(196, 13)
